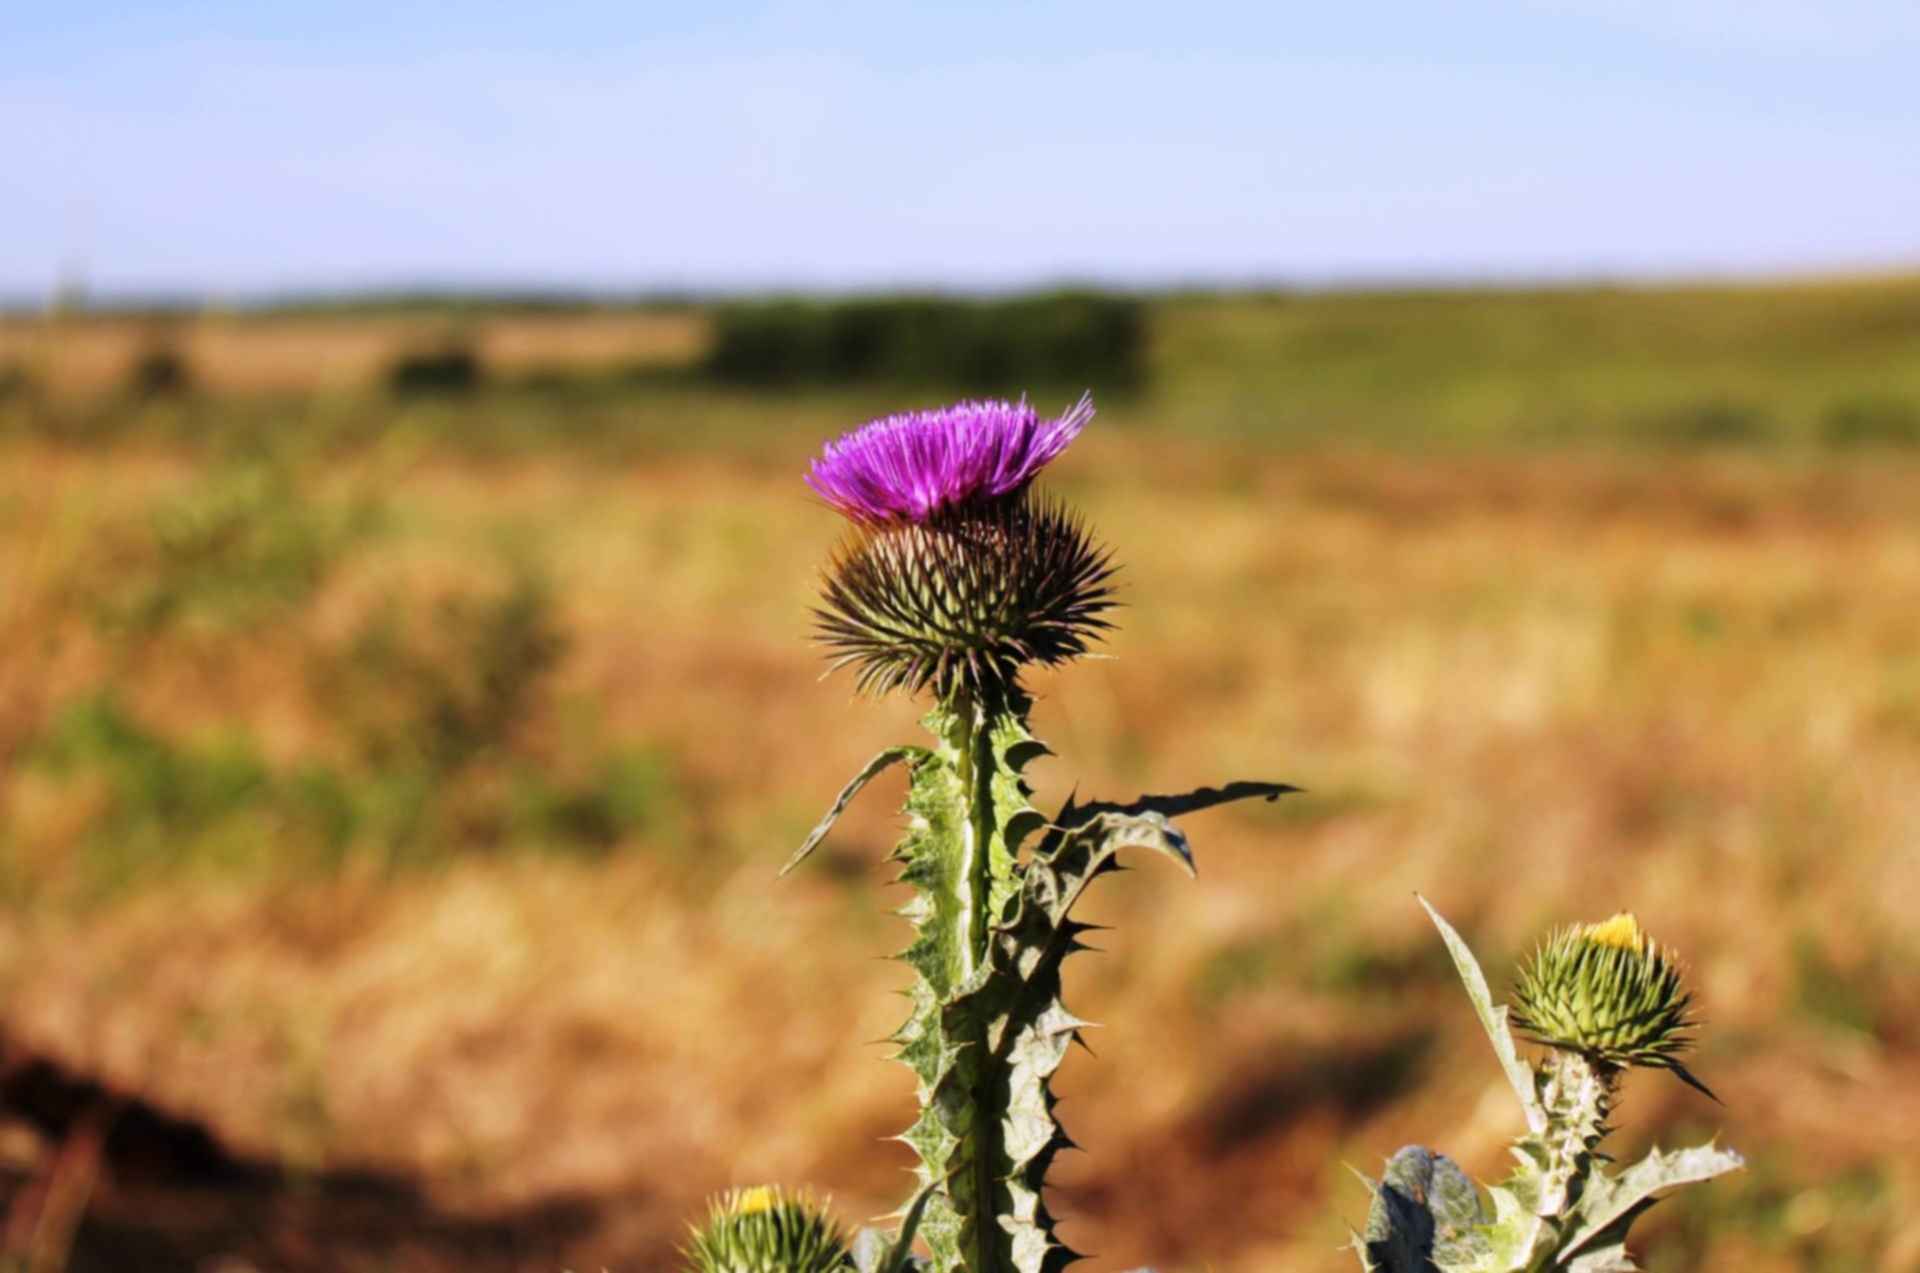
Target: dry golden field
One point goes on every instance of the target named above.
(87, 356)
(403, 815)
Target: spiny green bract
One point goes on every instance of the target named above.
(965, 599)
(767, 1230)
(1609, 992)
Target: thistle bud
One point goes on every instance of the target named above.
(1610, 993)
(767, 1230)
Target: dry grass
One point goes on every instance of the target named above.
(81, 356)
(1534, 688)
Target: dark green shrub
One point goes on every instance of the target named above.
(1871, 421)
(15, 381)
(627, 792)
(161, 371)
(1711, 422)
(451, 367)
(1067, 340)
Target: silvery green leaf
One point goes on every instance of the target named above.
(1511, 1234)
(1171, 806)
(1460, 1218)
(1493, 1019)
(876, 1251)
(1612, 1258)
(1029, 1028)
(1399, 1234)
(1610, 1203)
(879, 764)
(1428, 1213)
(869, 1251)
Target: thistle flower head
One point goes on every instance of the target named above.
(1610, 993)
(767, 1230)
(913, 466)
(956, 575)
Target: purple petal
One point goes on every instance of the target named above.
(910, 466)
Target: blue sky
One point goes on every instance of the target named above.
(235, 149)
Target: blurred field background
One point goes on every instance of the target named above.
(406, 706)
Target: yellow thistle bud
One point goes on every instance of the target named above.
(765, 1229)
(1610, 993)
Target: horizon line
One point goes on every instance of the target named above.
(403, 293)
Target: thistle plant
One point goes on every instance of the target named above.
(955, 576)
(1601, 998)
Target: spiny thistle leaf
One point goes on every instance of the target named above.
(965, 599)
(1610, 1203)
(1029, 1027)
(878, 765)
(1493, 1018)
(1074, 815)
(1426, 1212)
(767, 1230)
(877, 1252)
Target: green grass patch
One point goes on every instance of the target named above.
(244, 544)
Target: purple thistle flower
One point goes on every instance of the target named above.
(908, 467)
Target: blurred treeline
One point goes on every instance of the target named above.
(1038, 342)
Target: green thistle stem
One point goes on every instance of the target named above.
(987, 874)
(988, 1029)
(969, 737)
(1578, 1095)
(979, 853)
